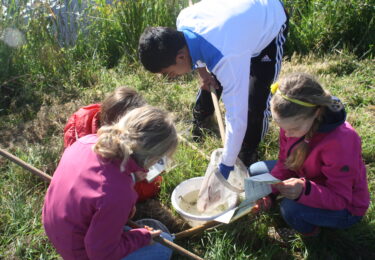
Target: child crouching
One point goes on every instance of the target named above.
(323, 175)
(88, 119)
(91, 196)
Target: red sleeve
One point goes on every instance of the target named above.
(83, 122)
(70, 132)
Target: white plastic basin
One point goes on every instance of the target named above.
(188, 186)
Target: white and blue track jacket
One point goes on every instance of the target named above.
(224, 35)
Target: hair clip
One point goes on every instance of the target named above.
(274, 87)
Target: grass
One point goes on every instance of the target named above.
(323, 26)
(38, 141)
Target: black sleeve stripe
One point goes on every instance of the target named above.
(307, 187)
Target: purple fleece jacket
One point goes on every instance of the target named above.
(88, 203)
(334, 172)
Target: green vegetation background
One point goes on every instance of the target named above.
(42, 83)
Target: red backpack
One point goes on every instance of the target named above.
(87, 121)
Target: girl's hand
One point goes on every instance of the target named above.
(207, 80)
(149, 228)
(290, 188)
(155, 233)
(140, 176)
(263, 204)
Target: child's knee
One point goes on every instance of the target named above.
(262, 167)
(289, 209)
(257, 168)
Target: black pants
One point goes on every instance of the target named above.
(264, 71)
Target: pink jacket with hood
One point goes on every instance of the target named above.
(88, 204)
(334, 172)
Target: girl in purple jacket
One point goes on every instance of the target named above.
(92, 196)
(323, 175)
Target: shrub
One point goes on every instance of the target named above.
(325, 25)
(114, 29)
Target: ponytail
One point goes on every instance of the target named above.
(112, 143)
(298, 156)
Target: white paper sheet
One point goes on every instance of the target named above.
(226, 217)
(232, 215)
(265, 178)
(258, 186)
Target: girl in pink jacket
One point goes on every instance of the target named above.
(91, 196)
(323, 175)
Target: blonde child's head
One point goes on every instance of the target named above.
(118, 103)
(146, 134)
(297, 105)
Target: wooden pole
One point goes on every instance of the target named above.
(197, 229)
(25, 165)
(167, 243)
(218, 114)
(192, 146)
(213, 223)
(48, 178)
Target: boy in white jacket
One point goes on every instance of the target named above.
(241, 43)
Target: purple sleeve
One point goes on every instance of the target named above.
(105, 238)
(336, 192)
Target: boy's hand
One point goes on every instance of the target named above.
(290, 188)
(140, 176)
(263, 204)
(207, 80)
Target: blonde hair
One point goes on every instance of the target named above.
(303, 87)
(146, 134)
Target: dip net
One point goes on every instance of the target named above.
(215, 189)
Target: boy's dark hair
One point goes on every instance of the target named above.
(118, 103)
(158, 47)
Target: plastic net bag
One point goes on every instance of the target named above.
(215, 189)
